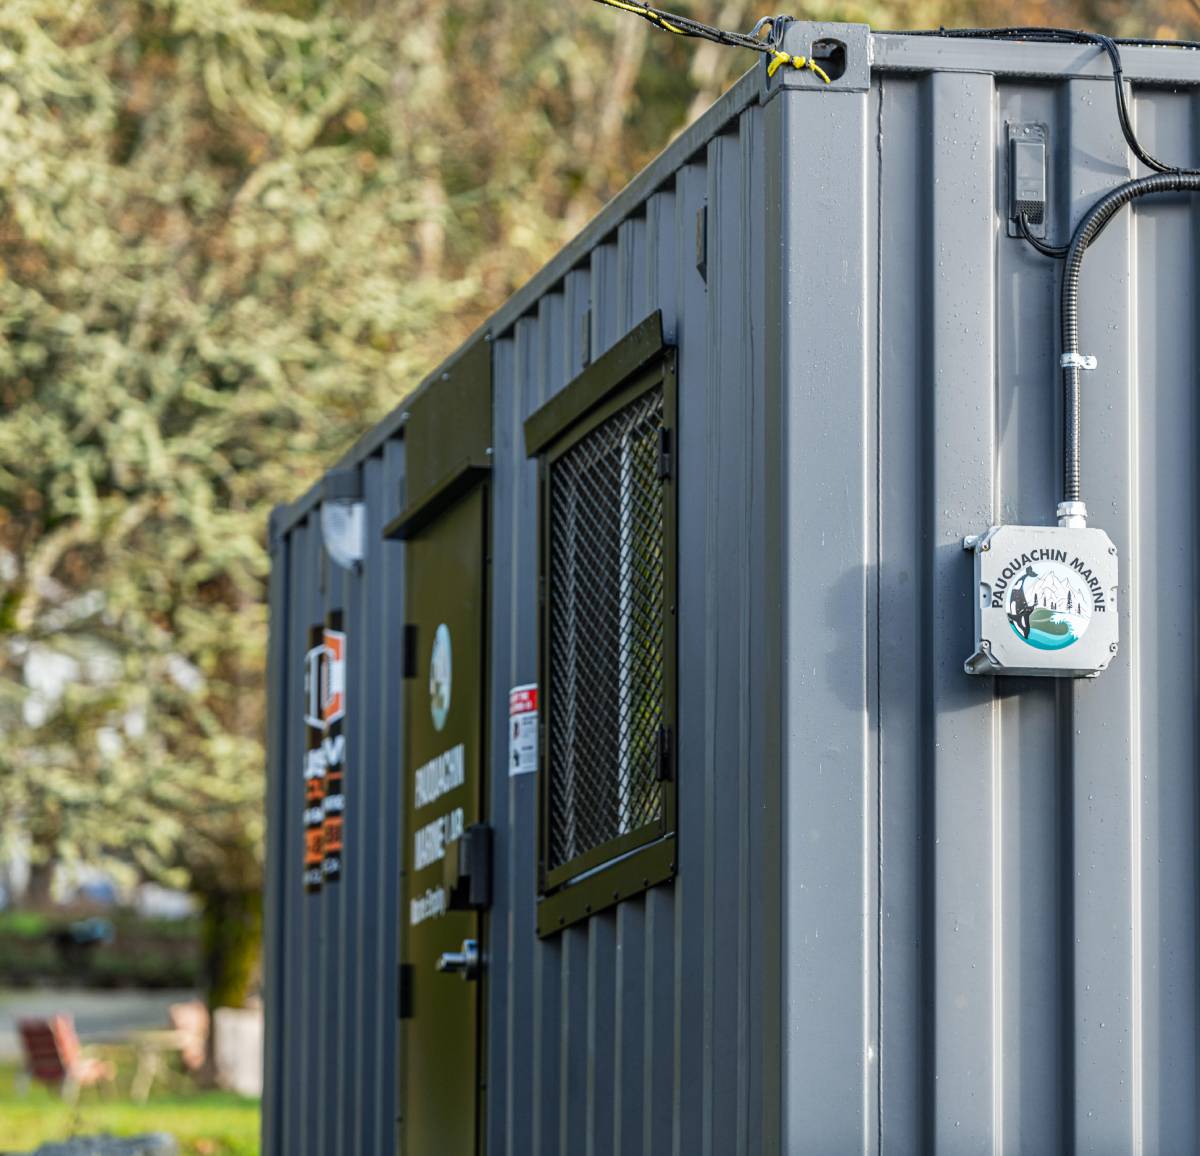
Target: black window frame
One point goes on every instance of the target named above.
(634, 861)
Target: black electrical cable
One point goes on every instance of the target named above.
(1089, 229)
(1072, 36)
(687, 26)
(1058, 252)
(1166, 178)
(1111, 47)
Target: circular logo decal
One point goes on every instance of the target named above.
(440, 677)
(1049, 606)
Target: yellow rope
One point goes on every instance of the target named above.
(779, 58)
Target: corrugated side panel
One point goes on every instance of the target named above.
(640, 1031)
(331, 958)
(991, 886)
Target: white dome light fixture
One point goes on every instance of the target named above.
(343, 518)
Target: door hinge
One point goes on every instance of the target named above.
(404, 992)
(410, 650)
(664, 453)
(665, 774)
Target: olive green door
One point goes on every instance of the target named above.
(441, 948)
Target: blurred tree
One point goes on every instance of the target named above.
(231, 236)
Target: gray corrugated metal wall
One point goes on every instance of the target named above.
(991, 888)
(914, 912)
(331, 959)
(640, 1031)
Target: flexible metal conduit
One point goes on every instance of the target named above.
(1089, 229)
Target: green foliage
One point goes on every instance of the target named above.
(144, 953)
(205, 1123)
(232, 235)
(24, 924)
(209, 283)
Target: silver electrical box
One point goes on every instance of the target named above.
(1045, 601)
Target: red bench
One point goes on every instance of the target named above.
(54, 1057)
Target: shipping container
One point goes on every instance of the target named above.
(627, 790)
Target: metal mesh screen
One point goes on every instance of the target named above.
(606, 586)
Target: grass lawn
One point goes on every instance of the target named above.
(204, 1123)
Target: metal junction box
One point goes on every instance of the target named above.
(664, 817)
(1046, 601)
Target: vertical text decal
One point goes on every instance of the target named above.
(324, 752)
(314, 764)
(334, 746)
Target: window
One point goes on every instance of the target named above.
(607, 794)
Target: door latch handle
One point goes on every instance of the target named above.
(465, 962)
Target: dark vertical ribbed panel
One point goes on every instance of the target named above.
(1100, 751)
(326, 978)
(771, 829)
(506, 1038)
(292, 953)
(628, 1004)
(279, 799)
(332, 1025)
(544, 369)
(658, 964)
(604, 288)
(599, 994)
(549, 1098)
(391, 817)
(631, 303)
(573, 1038)
(829, 772)
(348, 1072)
(752, 1102)
(515, 664)
(599, 991)
(1163, 326)
(333, 1088)
(900, 237)
(688, 1101)
(516, 375)
(629, 1023)
(310, 1007)
(960, 336)
(724, 767)
(363, 843)
(1033, 939)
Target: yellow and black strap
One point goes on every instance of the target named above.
(686, 26)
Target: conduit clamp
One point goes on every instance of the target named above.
(1078, 361)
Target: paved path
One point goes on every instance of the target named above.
(98, 1014)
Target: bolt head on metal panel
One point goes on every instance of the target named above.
(1045, 601)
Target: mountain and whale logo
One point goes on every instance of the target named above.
(1049, 605)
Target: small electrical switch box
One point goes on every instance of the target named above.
(1045, 601)
(1027, 177)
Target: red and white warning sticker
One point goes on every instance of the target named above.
(523, 729)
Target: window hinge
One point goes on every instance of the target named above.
(664, 453)
(664, 754)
